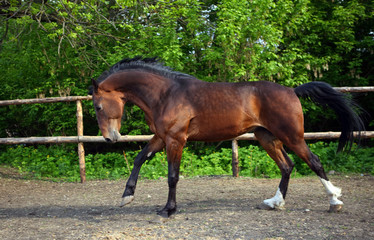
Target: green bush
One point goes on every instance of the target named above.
(61, 163)
(43, 162)
(359, 160)
(255, 162)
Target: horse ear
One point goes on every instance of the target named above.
(94, 85)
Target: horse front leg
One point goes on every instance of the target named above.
(155, 145)
(174, 151)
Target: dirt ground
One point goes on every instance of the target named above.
(209, 208)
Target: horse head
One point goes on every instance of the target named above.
(109, 106)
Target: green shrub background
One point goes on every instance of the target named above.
(287, 42)
(61, 163)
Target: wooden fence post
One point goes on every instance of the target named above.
(235, 158)
(82, 161)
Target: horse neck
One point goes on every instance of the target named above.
(141, 88)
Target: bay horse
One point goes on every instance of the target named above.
(179, 108)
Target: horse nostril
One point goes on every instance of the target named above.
(108, 140)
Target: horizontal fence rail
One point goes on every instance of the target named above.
(145, 138)
(80, 139)
(44, 100)
(72, 139)
(355, 89)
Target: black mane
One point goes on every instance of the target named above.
(151, 65)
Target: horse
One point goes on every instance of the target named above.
(179, 108)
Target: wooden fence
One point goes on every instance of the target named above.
(80, 138)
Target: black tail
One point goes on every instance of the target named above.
(323, 94)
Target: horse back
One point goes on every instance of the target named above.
(222, 111)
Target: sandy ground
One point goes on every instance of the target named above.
(208, 208)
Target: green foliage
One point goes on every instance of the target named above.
(56, 163)
(209, 162)
(106, 166)
(255, 162)
(359, 160)
(53, 49)
(43, 162)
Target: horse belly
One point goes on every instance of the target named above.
(219, 128)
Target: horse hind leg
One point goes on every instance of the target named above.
(274, 147)
(314, 163)
(333, 192)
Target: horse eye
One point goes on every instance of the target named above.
(98, 108)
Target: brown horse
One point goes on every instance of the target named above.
(180, 108)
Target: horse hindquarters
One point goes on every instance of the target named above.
(274, 147)
(323, 94)
(287, 127)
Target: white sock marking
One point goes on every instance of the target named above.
(333, 192)
(149, 154)
(276, 201)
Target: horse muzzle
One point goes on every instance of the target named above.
(113, 137)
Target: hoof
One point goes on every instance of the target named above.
(126, 200)
(166, 213)
(335, 208)
(264, 206)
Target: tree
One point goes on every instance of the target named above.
(53, 48)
